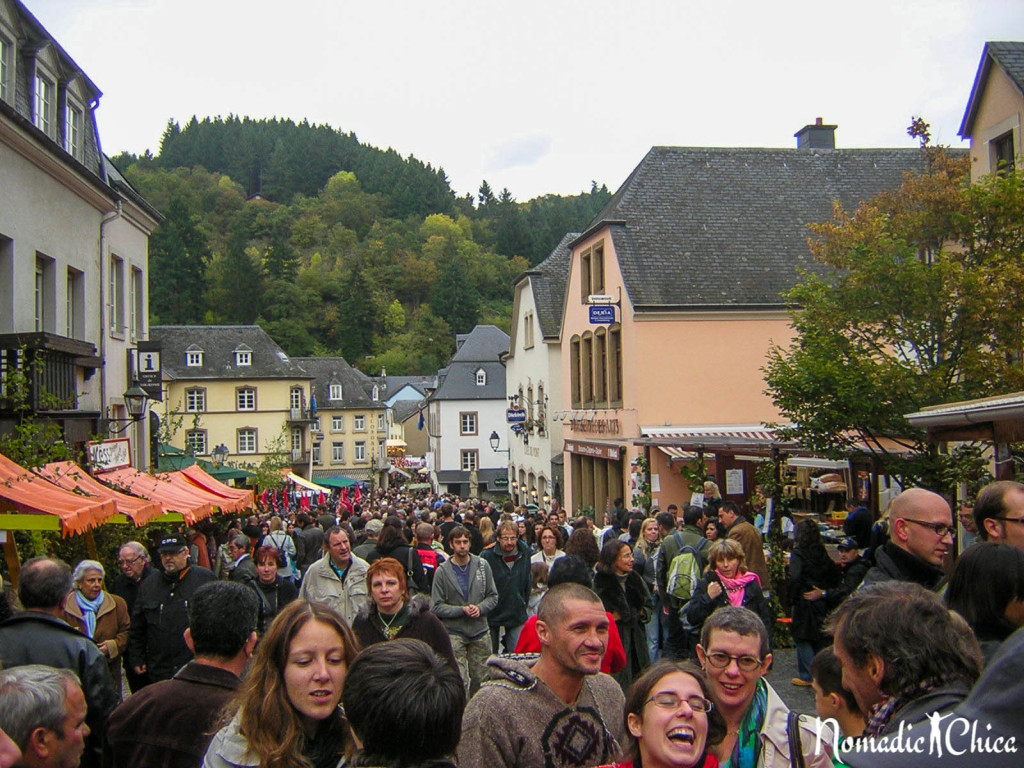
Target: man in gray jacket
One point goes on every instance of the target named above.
(463, 594)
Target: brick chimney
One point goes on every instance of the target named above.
(817, 136)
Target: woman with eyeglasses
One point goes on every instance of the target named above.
(672, 719)
(734, 653)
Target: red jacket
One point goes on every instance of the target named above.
(614, 655)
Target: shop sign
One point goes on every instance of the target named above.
(500, 482)
(602, 315)
(597, 450)
(110, 454)
(515, 415)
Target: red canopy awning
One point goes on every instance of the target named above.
(226, 505)
(174, 498)
(72, 477)
(31, 494)
(198, 476)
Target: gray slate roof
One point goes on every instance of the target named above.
(218, 344)
(1008, 56)
(356, 389)
(485, 343)
(715, 228)
(420, 383)
(549, 279)
(404, 409)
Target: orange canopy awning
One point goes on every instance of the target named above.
(200, 477)
(227, 505)
(33, 495)
(175, 499)
(72, 477)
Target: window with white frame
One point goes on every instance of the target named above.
(74, 304)
(73, 131)
(467, 423)
(6, 67)
(360, 450)
(481, 377)
(337, 423)
(243, 357)
(40, 295)
(334, 392)
(316, 455)
(195, 442)
(359, 423)
(194, 358)
(45, 103)
(297, 439)
(375, 393)
(117, 324)
(295, 398)
(247, 440)
(338, 453)
(469, 460)
(246, 399)
(195, 400)
(380, 422)
(382, 451)
(528, 330)
(45, 294)
(316, 423)
(135, 304)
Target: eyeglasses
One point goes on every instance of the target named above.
(1010, 519)
(129, 562)
(671, 701)
(721, 660)
(506, 538)
(940, 529)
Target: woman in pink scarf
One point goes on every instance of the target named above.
(727, 582)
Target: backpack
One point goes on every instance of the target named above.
(684, 571)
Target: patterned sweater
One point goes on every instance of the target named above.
(516, 720)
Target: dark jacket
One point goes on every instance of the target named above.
(312, 546)
(858, 525)
(126, 588)
(513, 585)
(701, 605)
(421, 625)
(895, 564)
(32, 637)
(687, 536)
(276, 596)
(160, 620)
(852, 575)
(810, 568)
(632, 605)
(244, 570)
(169, 724)
(406, 555)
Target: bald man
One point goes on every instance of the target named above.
(920, 536)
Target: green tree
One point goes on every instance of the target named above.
(455, 300)
(178, 256)
(923, 305)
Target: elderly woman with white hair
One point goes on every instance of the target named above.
(97, 614)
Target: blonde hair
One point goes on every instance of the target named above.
(711, 490)
(486, 527)
(647, 546)
(727, 549)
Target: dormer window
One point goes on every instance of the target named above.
(481, 377)
(45, 103)
(376, 393)
(194, 358)
(334, 392)
(243, 356)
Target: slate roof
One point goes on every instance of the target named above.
(485, 343)
(420, 383)
(218, 344)
(356, 389)
(549, 280)
(723, 228)
(403, 410)
(1008, 56)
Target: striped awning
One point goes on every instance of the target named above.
(710, 433)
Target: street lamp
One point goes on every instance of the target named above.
(533, 493)
(220, 454)
(495, 441)
(547, 499)
(135, 400)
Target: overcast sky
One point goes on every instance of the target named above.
(539, 97)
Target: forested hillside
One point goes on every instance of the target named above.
(334, 246)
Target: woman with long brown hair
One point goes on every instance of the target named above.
(286, 715)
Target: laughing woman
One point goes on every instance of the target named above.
(672, 719)
(286, 714)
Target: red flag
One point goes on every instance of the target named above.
(358, 494)
(321, 499)
(304, 502)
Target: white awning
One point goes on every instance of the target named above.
(726, 431)
(305, 483)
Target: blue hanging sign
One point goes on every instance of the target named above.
(602, 314)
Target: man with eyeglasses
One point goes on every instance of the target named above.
(133, 560)
(921, 535)
(999, 513)
(156, 644)
(510, 565)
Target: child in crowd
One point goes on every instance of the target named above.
(539, 574)
(832, 701)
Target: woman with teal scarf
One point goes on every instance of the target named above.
(99, 615)
(734, 652)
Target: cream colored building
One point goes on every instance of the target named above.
(350, 429)
(534, 378)
(992, 121)
(234, 386)
(73, 241)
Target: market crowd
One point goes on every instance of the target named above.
(434, 631)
